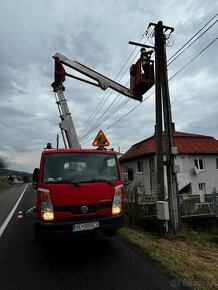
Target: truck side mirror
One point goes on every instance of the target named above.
(35, 178)
(130, 174)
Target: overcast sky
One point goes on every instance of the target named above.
(96, 33)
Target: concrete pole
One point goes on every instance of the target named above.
(159, 126)
(172, 184)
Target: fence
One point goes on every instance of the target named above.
(140, 204)
(191, 205)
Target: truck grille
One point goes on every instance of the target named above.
(77, 209)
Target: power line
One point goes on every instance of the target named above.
(168, 63)
(194, 58)
(96, 122)
(103, 100)
(169, 80)
(153, 92)
(120, 106)
(105, 118)
(178, 56)
(91, 117)
(111, 110)
(108, 113)
(192, 37)
(100, 107)
(129, 112)
(105, 115)
(123, 116)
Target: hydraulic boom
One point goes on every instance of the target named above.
(67, 127)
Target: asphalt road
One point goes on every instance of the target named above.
(85, 262)
(8, 199)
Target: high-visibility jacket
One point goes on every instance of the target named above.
(145, 56)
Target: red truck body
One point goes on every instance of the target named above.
(79, 190)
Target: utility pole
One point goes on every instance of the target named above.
(163, 105)
(163, 111)
(159, 125)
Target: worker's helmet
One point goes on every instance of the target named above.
(143, 49)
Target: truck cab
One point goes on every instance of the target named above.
(78, 190)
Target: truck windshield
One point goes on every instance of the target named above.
(80, 167)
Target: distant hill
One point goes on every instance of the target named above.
(10, 172)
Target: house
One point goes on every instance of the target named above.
(16, 179)
(197, 160)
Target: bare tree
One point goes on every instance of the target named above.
(3, 163)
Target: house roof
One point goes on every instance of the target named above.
(185, 143)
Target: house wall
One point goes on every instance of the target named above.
(186, 175)
(209, 176)
(142, 180)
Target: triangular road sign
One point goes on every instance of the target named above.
(100, 140)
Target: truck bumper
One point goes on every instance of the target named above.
(66, 228)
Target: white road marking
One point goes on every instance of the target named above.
(5, 223)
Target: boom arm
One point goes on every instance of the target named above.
(67, 126)
(102, 81)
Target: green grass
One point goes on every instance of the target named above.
(192, 258)
(4, 184)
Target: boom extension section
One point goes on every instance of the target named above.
(66, 125)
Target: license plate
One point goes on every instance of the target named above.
(85, 226)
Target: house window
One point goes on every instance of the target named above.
(199, 163)
(216, 163)
(202, 191)
(125, 169)
(139, 166)
(201, 186)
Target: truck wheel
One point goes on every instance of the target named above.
(110, 233)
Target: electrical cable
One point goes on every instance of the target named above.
(194, 58)
(153, 91)
(106, 117)
(112, 113)
(103, 114)
(192, 37)
(111, 110)
(168, 80)
(168, 63)
(99, 106)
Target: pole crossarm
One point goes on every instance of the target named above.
(164, 27)
(141, 44)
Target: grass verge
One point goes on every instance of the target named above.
(4, 184)
(192, 259)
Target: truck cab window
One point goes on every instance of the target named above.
(80, 167)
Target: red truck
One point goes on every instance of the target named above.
(78, 190)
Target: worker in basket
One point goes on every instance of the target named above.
(145, 57)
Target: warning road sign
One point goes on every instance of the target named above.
(100, 140)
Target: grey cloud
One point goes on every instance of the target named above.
(98, 39)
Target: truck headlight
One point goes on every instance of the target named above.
(117, 201)
(47, 211)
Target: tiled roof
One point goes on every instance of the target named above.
(185, 143)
